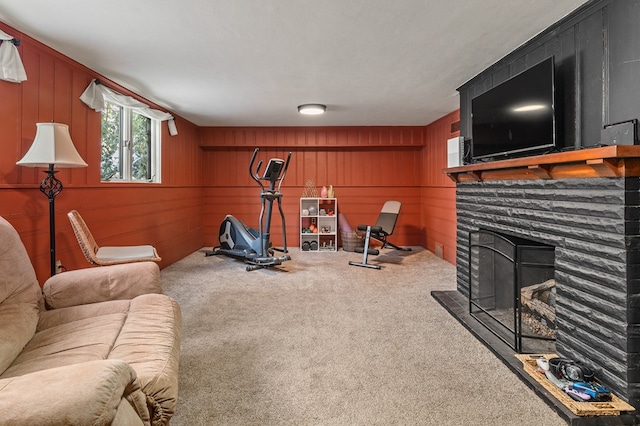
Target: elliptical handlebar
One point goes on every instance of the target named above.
(254, 175)
(284, 171)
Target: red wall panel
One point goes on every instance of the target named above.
(205, 173)
(366, 166)
(167, 215)
(313, 137)
(438, 191)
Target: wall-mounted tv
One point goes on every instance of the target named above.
(516, 117)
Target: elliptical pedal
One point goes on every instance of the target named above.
(214, 252)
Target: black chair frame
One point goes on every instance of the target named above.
(380, 231)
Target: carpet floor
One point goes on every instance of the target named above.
(319, 342)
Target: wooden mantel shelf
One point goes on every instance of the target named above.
(608, 161)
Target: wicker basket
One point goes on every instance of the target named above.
(351, 240)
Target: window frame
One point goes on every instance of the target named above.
(125, 148)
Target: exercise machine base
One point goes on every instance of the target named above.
(250, 257)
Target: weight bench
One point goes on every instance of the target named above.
(380, 231)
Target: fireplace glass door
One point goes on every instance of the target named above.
(512, 289)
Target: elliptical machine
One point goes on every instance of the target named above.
(254, 246)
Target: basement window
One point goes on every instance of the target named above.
(130, 145)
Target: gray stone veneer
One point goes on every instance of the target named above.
(593, 225)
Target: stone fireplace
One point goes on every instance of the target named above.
(585, 204)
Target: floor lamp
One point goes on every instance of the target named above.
(51, 148)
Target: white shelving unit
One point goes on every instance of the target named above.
(318, 224)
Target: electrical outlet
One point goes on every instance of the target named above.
(439, 250)
(59, 267)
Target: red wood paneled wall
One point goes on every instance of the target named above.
(365, 165)
(438, 192)
(167, 215)
(205, 173)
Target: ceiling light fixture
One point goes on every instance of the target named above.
(312, 109)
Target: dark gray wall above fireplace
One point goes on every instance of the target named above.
(594, 226)
(597, 57)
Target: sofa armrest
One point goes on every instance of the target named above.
(100, 284)
(78, 394)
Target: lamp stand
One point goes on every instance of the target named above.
(51, 187)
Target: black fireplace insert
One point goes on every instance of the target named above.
(512, 289)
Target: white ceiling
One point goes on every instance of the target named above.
(252, 62)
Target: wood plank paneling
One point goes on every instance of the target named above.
(10, 126)
(439, 220)
(366, 166)
(205, 173)
(167, 215)
(312, 137)
(360, 205)
(438, 191)
(168, 218)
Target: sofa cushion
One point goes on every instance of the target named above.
(70, 335)
(75, 342)
(56, 317)
(19, 295)
(144, 332)
(17, 324)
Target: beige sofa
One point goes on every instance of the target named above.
(97, 346)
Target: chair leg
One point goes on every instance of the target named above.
(366, 250)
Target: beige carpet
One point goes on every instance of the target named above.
(319, 342)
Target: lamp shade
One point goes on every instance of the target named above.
(52, 145)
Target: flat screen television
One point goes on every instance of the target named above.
(516, 117)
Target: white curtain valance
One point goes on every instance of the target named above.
(95, 94)
(11, 68)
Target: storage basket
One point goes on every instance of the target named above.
(351, 240)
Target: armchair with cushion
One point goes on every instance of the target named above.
(108, 255)
(94, 346)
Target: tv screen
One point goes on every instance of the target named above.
(516, 117)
